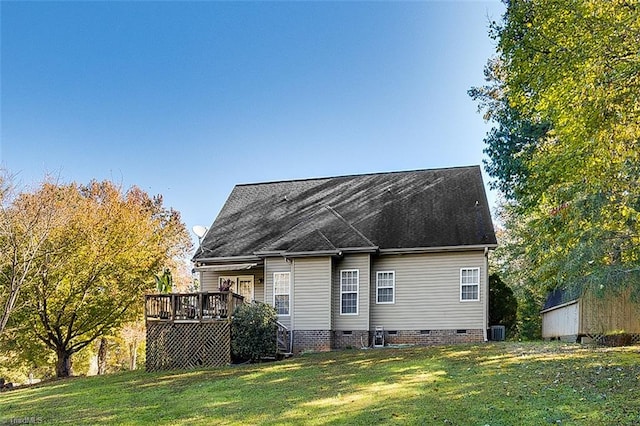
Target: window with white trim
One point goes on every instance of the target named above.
(385, 287)
(349, 290)
(469, 284)
(281, 292)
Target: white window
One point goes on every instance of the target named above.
(385, 287)
(469, 284)
(281, 292)
(349, 290)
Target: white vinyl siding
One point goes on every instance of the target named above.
(470, 284)
(385, 287)
(427, 292)
(362, 263)
(210, 280)
(349, 292)
(312, 293)
(274, 265)
(282, 292)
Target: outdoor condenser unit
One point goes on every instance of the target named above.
(378, 337)
(497, 332)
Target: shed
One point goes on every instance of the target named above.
(580, 315)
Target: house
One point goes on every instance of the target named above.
(404, 253)
(580, 315)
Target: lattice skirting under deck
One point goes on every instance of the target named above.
(187, 345)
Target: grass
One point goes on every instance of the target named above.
(484, 384)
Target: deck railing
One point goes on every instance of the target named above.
(206, 306)
(283, 339)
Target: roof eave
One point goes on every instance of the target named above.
(366, 249)
(410, 250)
(562, 305)
(227, 259)
(312, 253)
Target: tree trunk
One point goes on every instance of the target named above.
(133, 355)
(63, 364)
(102, 356)
(9, 304)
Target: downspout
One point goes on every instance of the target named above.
(486, 298)
(292, 278)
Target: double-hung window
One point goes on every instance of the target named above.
(349, 290)
(281, 292)
(469, 284)
(385, 287)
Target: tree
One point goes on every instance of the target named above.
(96, 263)
(131, 335)
(23, 230)
(571, 69)
(512, 142)
(503, 305)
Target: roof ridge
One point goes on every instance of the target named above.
(293, 248)
(339, 216)
(326, 238)
(358, 175)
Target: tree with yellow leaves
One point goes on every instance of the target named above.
(95, 264)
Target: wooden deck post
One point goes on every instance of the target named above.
(229, 306)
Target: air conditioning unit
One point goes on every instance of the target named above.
(497, 332)
(378, 337)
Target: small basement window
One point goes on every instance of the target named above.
(425, 331)
(461, 331)
(392, 332)
(347, 332)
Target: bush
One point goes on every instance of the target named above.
(253, 332)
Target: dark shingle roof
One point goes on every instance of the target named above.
(560, 296)
(396, 210)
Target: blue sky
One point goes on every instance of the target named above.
(187, 99)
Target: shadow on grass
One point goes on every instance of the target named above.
(497, 384)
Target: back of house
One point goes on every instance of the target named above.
(348, 261)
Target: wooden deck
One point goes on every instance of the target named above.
(192, 307)
(193, 330)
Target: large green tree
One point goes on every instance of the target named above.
(571, 70)
(95, 264)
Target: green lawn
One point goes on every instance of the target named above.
(482, 384)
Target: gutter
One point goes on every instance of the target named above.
(371, 249)
(484, 247)
(311, 253)
(336, 252)
(229, 259)
(259, 255)
(485, 300)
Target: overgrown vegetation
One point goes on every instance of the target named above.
(486, 384)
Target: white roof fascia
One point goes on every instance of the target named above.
(226, 267)
(236, 259)
(437, 249)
